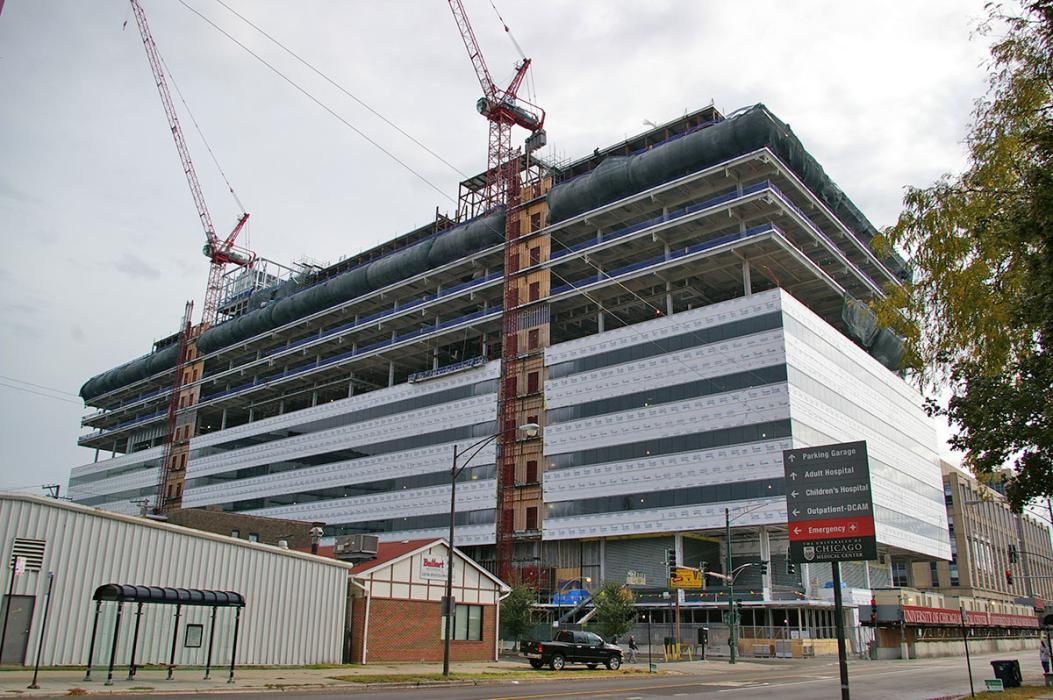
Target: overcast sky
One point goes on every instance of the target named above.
(101, 243)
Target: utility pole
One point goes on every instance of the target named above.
(965, 640)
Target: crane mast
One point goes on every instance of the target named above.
(218, 251)
(176, 445)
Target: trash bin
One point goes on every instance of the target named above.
(1007, 671)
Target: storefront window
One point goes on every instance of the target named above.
(467, 623)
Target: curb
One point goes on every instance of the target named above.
(343, 686)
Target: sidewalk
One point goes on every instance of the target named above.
(255, 680)
(248, 679)
(259, 680)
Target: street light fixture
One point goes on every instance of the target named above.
(529, 430)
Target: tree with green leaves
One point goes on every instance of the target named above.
(978, 313)
(615, 612)
(517, 612)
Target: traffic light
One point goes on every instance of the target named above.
(873, 611)
(764, 568)
(1013, 556)
(791, 568)
(670, 562)
(1008, 577)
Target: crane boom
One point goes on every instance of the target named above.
(218, 251)
(475, 54)
(173, 123)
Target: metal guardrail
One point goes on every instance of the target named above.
(448, 369)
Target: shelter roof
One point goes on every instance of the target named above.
(125, 593)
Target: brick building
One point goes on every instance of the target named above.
(983, 532)
(245, 526)
(396, 605)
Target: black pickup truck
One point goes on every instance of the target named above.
(572, 647)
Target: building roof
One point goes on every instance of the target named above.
(148, 523)
(390, 552)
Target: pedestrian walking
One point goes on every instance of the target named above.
(632, 649)
(1043, 656)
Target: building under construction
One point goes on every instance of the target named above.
(686, 305)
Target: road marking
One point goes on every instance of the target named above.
(599, 692)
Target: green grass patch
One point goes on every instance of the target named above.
(1027, 691)
(483, 676)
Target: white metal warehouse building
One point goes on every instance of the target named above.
(295, 604)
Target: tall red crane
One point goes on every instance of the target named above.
(504, 109)
(220, 252)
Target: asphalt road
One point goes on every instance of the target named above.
(787, 680)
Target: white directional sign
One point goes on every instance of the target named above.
(829, 508)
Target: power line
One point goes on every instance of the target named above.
(40, 393)
(38, 386)
(341, 88)
(22, 488)
(200, 133)
(318, 102)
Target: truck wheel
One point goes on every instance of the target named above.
(614, 662)
(557, 662)
(536, 663)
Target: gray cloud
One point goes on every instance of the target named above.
(135, 267)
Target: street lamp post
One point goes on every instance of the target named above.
(732, 627)
(730, 577)
(650, 664)
(528, 429)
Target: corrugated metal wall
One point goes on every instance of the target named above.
(294, 611)
(644, 555)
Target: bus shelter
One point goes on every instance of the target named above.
(158, 595)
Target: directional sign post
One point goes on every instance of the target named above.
(830, 515)
(829, 508)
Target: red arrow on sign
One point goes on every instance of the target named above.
(832, 528)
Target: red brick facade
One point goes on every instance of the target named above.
(408, 630)
(358, 623)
